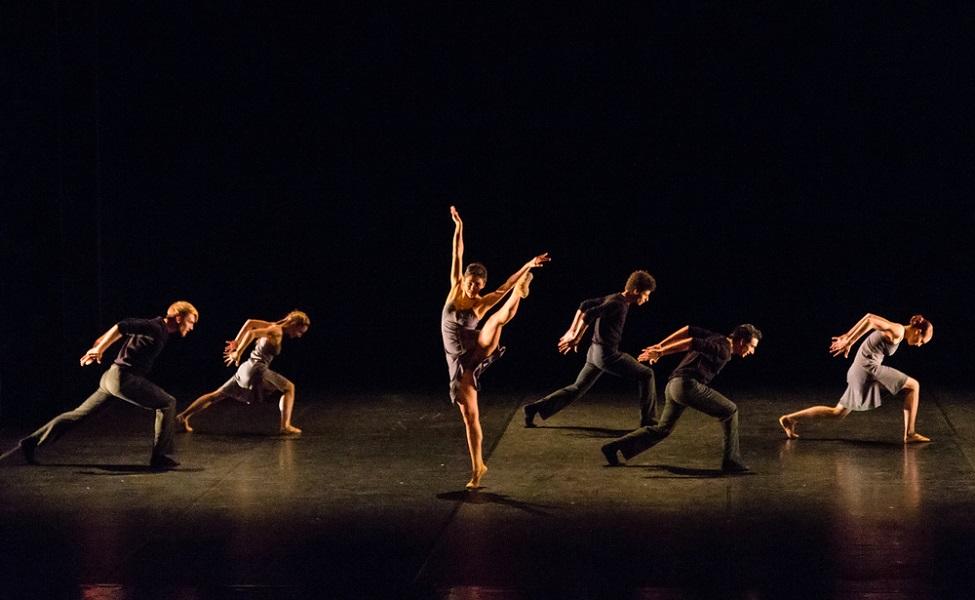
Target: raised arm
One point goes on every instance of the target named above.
(247, 326)
(841, 344)
(457, 261)
(679, 341)
(104, 341)
(489, 300)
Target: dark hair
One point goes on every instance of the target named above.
(745, 333)
(640, 281)
(923, 325)
(476, 270)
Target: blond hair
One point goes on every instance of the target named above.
(182, 308)
(295, 317)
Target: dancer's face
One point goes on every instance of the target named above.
(914, 337)
(473, 285)
(745, 348)
(186, 323)
(643, 298)
(296, 331)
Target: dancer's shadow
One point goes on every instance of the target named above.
(854, 442)
(686, 472)
(482, 497)
(90, 469)
(592, 432)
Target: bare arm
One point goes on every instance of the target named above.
(272, 331)
(457, 261)
(247, 326)
(94, 354)
(842, 344)
(489, 300)
(679, 341)
(570, 340)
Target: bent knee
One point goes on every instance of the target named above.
(912, 385)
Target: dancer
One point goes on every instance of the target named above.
(707, 354)
(469, 350)
(609, 314)
(867, 375)
(254, 380)
(126, 380)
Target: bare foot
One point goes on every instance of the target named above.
(915, 438)
(789, 426)
(185, 422)
(289, 430)
(475, 481)
(521, 287)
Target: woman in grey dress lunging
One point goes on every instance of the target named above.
(867, 375)
(470, 350)
(254, 380)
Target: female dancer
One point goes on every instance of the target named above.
(469, 350)
(254, 379)
(867, 375)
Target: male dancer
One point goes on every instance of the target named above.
(707, 353)
(609, 315)
(126, 379)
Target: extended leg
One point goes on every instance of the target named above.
(63, 423)
(199, 405)
(790, 422)
(559, 399)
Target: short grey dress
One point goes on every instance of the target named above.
(459, 330)
(866, 375)
(254, 381)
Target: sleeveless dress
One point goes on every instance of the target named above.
(459, 330)
(867, 375)
(254, 381)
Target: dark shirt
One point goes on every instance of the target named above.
(609, 313)
(144, 340)
(709, 353)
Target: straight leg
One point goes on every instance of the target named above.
(559, 399)
(63, 423)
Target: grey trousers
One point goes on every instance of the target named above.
(619, 364)
(681, 393)
(119, 383)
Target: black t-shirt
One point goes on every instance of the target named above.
(709, 353)
(610, 314)
(144, 340)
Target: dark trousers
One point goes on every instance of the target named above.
(118, 383)
(597, 362)
(679, 394)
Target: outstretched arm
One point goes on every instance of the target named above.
(841, 344)
(489, 300)
(457, 262)
(679, 341)
(94, 354)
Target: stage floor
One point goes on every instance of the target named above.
(370, 502)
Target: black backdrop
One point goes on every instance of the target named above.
(793, 168)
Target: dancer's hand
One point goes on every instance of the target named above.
(538, 261)
(568, 343)
(231, 345)
(840, 345)
(456, 216)
(650, 354)
(231, 357)
(91, 356)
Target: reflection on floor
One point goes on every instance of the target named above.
(369, 502)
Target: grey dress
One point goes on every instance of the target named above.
(254, 381)
(867, 375)
(459, 330)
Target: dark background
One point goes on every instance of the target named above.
(790, 167)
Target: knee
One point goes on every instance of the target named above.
(731, 414)
(912, 385)
(170, 402)
(289, 388)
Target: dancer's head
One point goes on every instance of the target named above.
(639, 286)
(475, 278)
(182, 317)
(744, 339)
(919, 331)
(295, 323)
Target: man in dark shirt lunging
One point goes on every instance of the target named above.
(707, 353)
(609, 314)
(126, 379)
